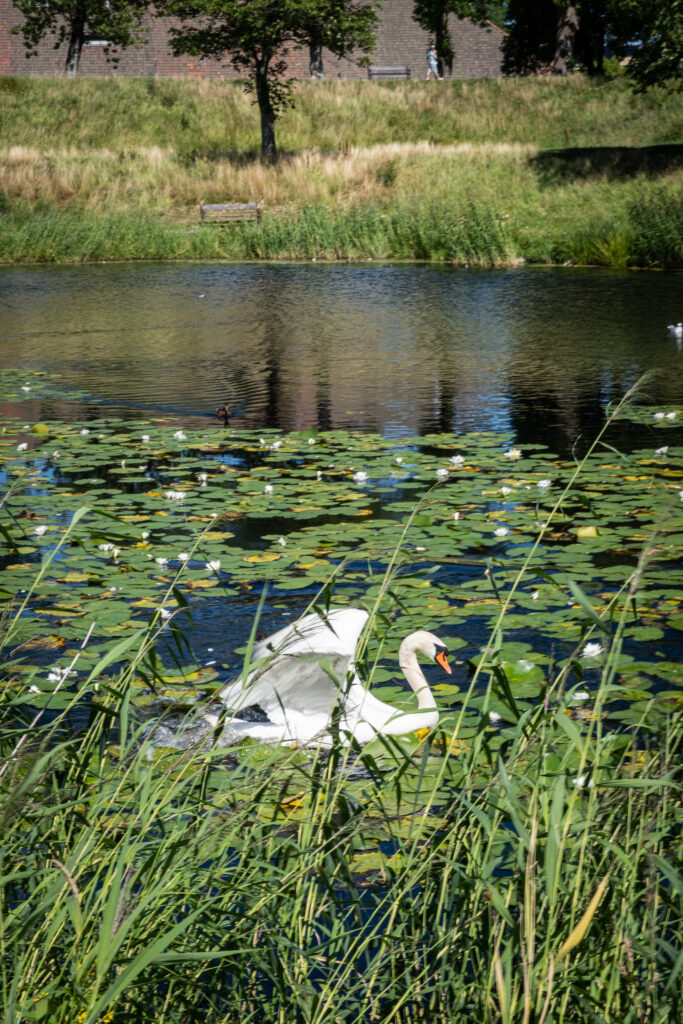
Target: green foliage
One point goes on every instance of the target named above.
(657, 226)
(256, 36)
(432, 15)
(118, 21)
(660, 58)
(521, 863)
(533, 39)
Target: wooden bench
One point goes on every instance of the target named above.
(375, 71)
(230, 213)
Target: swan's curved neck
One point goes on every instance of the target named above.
(427, 716)
(407, 659)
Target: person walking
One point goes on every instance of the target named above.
(433, 62)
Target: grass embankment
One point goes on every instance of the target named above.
(479, 172)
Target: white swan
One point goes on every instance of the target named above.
(308, 669)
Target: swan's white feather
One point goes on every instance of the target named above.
(303, 671)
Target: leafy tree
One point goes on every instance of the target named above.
(118, 21)
(659, 25)
(255, 35)
(432, 15)
(530, 43)
(556, 35)
(560, 35)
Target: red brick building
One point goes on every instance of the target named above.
(400, 42)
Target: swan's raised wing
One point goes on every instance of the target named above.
(300, 669)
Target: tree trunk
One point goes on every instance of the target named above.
(315, 61)
(565, 38)
(442, 40)
(76, 40)
(268, 149)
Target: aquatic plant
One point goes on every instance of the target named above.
(519, 864)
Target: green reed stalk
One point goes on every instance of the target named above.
(185, 886)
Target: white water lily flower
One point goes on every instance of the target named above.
(268, 489)
(319, 474)
(161, 561)
(180, 436)
(663, 450)
(183, 556)
(535, 596)
(495, 717)
(505, 490)
(275, 445)
(311, 440)
(174, 495)
(582, 780)
(165, 613)
(34, 689)
(123, 463)
(22, 447)
(282, 542)
(40, 530)
(55, 455)
(671, 415)
(214, 566)
(58, 675)
(145, 534)
(581, 695)
(458, 460)
(25, 387)
(658, 415)
(513, 453)
(398, 460)
(145, 438)
(592, 650)
(105, 547)
(85, 432)
(502, 531)
(456, 516)
(360, 477)
(442, 473)
(543, 485)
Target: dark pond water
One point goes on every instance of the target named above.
(399, 349)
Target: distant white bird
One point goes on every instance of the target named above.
(676, 330)
(307, 668)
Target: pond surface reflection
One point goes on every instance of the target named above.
(398, 349)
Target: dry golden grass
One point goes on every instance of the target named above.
(552, 161)
(157, 178)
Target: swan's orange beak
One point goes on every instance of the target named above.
(442, 659)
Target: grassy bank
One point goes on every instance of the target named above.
(478, 172)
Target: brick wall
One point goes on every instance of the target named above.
(400, 41)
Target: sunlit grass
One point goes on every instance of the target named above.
(119, 152)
